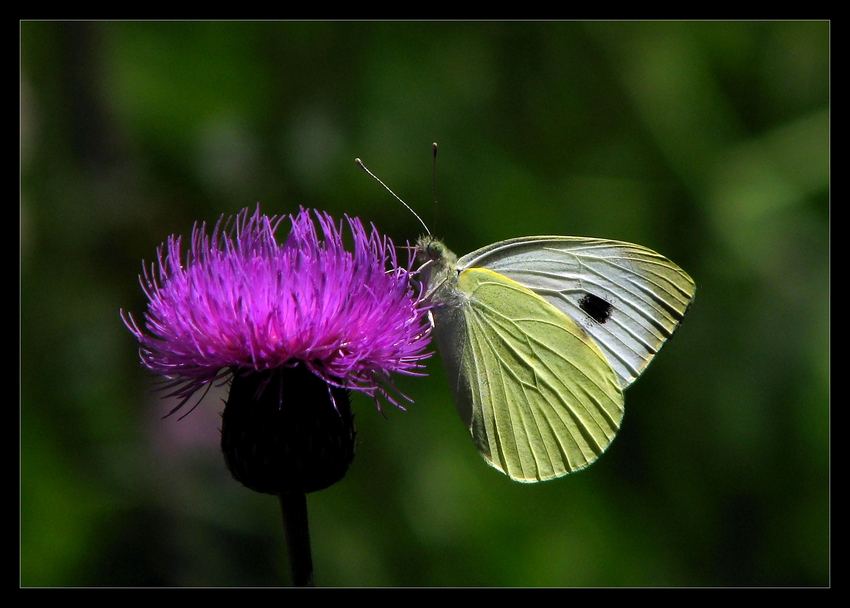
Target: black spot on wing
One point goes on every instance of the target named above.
(598, 309)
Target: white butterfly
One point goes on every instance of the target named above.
(540, 335)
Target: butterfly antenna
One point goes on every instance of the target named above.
(434, 183)
(377, 179)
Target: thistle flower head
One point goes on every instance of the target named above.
(241, 302)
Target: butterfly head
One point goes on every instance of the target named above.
(431, 252)
(437, 267)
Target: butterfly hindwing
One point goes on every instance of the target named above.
(539, 397)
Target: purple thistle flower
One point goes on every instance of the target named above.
(242, 303)
(293, 327)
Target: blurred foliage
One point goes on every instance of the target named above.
(706, 141)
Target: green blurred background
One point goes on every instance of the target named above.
(708, 142)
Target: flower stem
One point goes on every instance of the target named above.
(293, 503)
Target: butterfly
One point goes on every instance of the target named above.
(540, 336)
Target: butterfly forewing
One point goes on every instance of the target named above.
(542, 397)
(627, 297)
